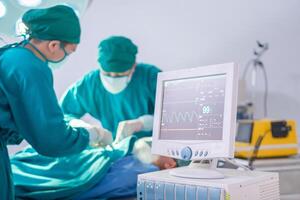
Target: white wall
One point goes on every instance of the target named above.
(186, 33)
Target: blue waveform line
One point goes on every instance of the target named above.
(180, 117)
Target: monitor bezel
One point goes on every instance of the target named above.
(216, 148)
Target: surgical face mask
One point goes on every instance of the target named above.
(51, 63)
(114, 85)
(62, 59)
(57, 65)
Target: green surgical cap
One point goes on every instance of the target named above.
(117, 54)
(54, 23)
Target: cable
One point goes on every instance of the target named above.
(256, 149)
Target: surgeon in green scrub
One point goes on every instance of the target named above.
(120, 94)
(28, 106)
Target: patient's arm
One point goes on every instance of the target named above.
(164, 162)
(142, 150)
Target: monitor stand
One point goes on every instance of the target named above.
(200, 169)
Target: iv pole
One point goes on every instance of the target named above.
(253, 66)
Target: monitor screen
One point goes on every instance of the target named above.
(244, 132)
(195, 112)
(193, 108)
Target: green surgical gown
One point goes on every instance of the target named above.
(29, 109)
(41, 177)
(45, 178)
(89, 96)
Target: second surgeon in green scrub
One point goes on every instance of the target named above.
(28, 105)
(121, 94)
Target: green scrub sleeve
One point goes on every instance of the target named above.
(38, 116)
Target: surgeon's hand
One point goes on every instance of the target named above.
(98, 135)
(127, 128)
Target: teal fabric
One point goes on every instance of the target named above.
(40, 177)
(55, 23)
(29, 109)
(88, 95)
(117, 54)
(7, 187)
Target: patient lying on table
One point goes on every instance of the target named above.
(94, 173)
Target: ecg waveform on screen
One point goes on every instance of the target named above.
(178, 117)
(193, 109)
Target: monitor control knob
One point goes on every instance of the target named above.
(186, 153)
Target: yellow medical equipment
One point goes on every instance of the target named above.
(266, 138)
